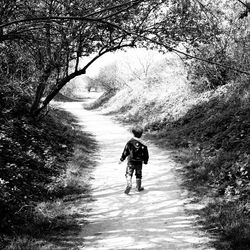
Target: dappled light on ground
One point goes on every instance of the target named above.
(152, 219)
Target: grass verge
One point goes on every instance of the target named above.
(209, 135)
(100, 101)
(213, 147)
(45, 220)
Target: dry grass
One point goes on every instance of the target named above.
(50, 221)
(164, 92)
(210, 130)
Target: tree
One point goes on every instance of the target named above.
(54, 40)
(138, 63)
(108, 78)
(56, 33)
(228, 52)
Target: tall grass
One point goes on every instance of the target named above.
(48, 220)
(164, 92)
(208, 132)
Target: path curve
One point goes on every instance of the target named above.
(154, 219)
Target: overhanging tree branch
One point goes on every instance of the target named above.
(50, 19)
(170, 48)
(245, 4)
(132, 4)
(71, 76)
(79, 18)
(206, 9)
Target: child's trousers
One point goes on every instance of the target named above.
(134, 167)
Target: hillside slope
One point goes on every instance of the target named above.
(210, 130)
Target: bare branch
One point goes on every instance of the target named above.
(80, 18)
(122, 10)
(247, 5)
(170, 48)
(132, 3)
(82, 71)
(206, 9)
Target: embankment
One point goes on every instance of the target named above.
(209, 132)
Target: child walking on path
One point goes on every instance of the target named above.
(137, 154)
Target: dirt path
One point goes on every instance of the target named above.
(152, 219)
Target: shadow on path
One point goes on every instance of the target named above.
(153, 219)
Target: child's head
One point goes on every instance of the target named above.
(137, 131)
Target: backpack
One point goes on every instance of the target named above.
(137, 151)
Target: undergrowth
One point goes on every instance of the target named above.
(210, 133)
(213, 138)
(100, 101)
(45, 165)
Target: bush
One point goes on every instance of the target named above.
(108, 79)
(33, 160)
(229, 46)
(213, 136)
(204, 76)
(102, 100)
(231, 220)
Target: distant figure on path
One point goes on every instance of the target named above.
(137, 154)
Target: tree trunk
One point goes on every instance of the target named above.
(37, 110)
(40, 90)
(55, 91)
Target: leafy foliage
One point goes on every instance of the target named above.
(214, 137)
(33, 159)
(72, 29)
(108, 78)
(210, 130)
(41, 43)
(228, 50)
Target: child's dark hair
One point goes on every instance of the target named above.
(137, 131)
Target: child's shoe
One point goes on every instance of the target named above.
(129, 184)
(127, 190)
(139, 188)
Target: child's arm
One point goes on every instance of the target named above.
(125, 153)
(146, 156)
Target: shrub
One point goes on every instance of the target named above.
(33, 159)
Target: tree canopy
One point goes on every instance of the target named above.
(42, 46)
(45, 38)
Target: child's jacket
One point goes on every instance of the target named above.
(135, 151)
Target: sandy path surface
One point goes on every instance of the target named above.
(152, 219)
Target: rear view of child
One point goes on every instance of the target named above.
(137, 154)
